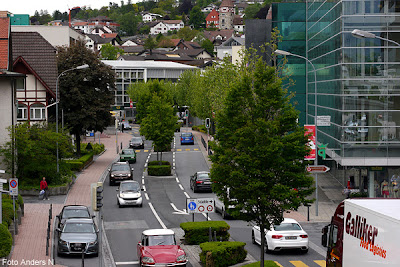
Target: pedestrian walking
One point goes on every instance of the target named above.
(44, 186)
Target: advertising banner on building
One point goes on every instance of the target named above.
(310, 129)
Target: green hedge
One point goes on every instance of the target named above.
(79, 164)
(159, 170)
(200, 128)
(157, 162)
(7, 213)
(222, 253)
(5, 241)
(266, 264)
(96, 148)
(198, 232)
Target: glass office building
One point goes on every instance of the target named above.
(358, 88)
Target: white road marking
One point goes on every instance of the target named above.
(126, 262)
(181, 187)
(146, 196)
(177, 180)
(186, 194)
(142, 181)
(157, 217)
(144, 188)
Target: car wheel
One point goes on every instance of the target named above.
(253, 239)
(141, 205)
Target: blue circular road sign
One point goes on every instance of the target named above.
(192, 205)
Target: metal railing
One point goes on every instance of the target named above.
(48, 229)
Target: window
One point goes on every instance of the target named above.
(38, 112)
(20, 84)
(22, 112)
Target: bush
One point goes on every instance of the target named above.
(159, 170)
(157, 162)
(8, 199)
(200, 128)
(222, 253)
(20, 200)
(5, 241)
(94, 148)
(75, 165)
(198, 232)
(7, 213)
(79, 164)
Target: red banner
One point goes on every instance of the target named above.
(130, 103)
(311, 142)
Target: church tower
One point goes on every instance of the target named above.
(226, 14)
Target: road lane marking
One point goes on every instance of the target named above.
(321, 263)
(137, 151)
(144, 188)
(186, 194)
(142, 181)
(196, 149)
(177, 180)
(187, 149)
(181, 187)
(157, 217)
(146, 150)
(317, 249)
(277, 263)
(298, 264)
(179, 149)
(146, 196)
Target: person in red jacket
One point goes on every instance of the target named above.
(43, 186)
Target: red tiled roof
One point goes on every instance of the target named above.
(226, 3)
(80, 23)
(109, 35)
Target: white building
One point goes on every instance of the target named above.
(151, 17)
(174, 24)
(157, 27)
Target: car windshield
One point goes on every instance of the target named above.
(203, 176)
(129, 187)
(157, 240)
(127, 151)
(78, 213)
(78, 228)
(287, 227)
(186, 134)
(136, 140)
(120, 167)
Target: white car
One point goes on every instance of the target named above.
(288, 235)
(129, 193)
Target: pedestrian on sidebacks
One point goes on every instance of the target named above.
(43, 186)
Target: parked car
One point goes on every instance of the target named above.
(126, 125)
(129, 193)
(200, 181)
(158, 247)
(136, 142)
(287, 235)
(187, 138)
(77, 236)
(127, 155)
(73, 211)
(120, 171)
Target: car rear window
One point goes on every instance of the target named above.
(78, 213)
(186, 134)
(137, 139)
(127, 151)
(287, 227)
(203, 176)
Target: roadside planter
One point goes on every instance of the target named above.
(154, 168)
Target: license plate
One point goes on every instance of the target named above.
(207, 182)
(290, 237)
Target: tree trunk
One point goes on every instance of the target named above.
(78, 144)
(262, 231)
(160, 157)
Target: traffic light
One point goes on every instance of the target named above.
(207, 123)
(97, 196)
(186, 113)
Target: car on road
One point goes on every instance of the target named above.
(129, 193)
(127, 155)
(126, 125)
(200, 181)
(73, 211)
(187, 138)
(120, 171)
(287, 235)
(136, 142)
(158, 247)
(78, 236)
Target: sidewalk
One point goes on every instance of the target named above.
(329, 192)
(30, 243)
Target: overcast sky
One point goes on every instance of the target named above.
(29, 6)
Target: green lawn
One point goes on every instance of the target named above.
(266, 264)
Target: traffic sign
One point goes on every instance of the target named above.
(13, 183)
(317, 169)
(200, 205)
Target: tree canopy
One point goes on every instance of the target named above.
(110, 52)
(258, 161)
(85, 95)
(197, 18)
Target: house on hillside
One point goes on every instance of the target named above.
(209, 8)
(174, 24)
(95, 42)
(218, 37)
(238, 24)
(231, 48)
(34, 57)
(157, 27)
(148, 17)
(212, 19)
(103, 21)
(226, 14)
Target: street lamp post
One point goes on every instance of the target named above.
(364, 34)
(285, 53)
(85, 66)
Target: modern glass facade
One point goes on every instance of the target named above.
(358, 84)
(290, 20)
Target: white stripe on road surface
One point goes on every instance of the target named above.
(177, 180)
(146, 196)
(126, 262)
(157, 217)
(181, 187)
(317, 249)
(186, 194)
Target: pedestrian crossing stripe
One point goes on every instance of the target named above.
(186, 149)
(321, 263)
(137, 151)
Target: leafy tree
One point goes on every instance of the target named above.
(36, 153)
(258, 161)
(85, 95)
(150, 44)
(57, 15)
(208, 46)
(110, 52)
(251, 11)
(128, 23)
(185, 7)
(186, 34)
(159, 123)
(145, 29)
(262, 13)
(197, 18)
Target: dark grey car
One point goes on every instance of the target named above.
(136, 142)
(72, 211)
(119, 171)
(77, 236)
(200, 181)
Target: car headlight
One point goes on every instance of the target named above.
(147, 260)
(112, 175)
(62, 242)
(181, 258)
(129, 175)
(121, 195)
